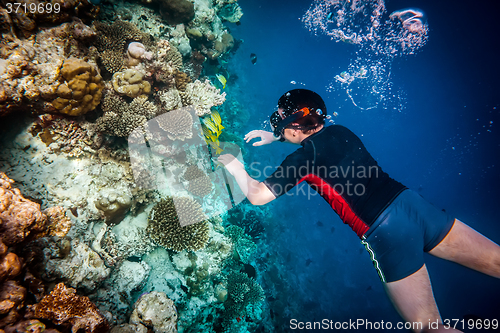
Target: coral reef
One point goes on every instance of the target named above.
(121, 118)
(178, 224)
(131, 83)
(177, 124)
(112, 40)
(114, 204)
(63, 307)
(26, 22)
(30, 69)
(170, 99)
(177, 11)
(137, 52)
(203, 96)
(242, 291)
(81, 89)
(20, 217)
(81, 267)
(67, 136)
(199, 182)
(115, 295)
(155, 310)
(243, 245)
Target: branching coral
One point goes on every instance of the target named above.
(199, 182)
(178, 124)
(242, 291)
(63, 307)
(243, 245)
(166, 220)
(81, 90)
(203, 96)
(121, 118)
(170, 99)
(68, 136)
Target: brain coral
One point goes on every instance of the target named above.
(81, 90)
(199, 182)
(178, 124)
(131, 82)
(165, 228)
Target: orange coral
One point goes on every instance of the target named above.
(59, 224)
(10, 266)
(63, 306)
(81, 90)
(20, 217)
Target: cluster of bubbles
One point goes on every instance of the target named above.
(361, 23)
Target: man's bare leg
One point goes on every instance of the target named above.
(468, 247)
(414, 300)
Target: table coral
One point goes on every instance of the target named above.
(164, 225)
(81, 89)
(155, 310)
(131, 83)
(63, 307)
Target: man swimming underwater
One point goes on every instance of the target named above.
(395, 224)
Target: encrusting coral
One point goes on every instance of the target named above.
(63, 307)
(157, 311)
(165, 229)
(20, 217)
(199, 182)
(80, 90)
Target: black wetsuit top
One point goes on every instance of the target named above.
(336, 164)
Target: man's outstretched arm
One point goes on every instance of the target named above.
(256, 192)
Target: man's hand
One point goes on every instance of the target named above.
(231, 163)
(265, 137)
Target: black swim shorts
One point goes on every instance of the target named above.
(406, 229)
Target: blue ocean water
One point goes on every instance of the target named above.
(444, 143)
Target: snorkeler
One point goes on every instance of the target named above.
(395, 224)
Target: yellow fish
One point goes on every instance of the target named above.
(221, 79)
(216, 119)
(217, 148)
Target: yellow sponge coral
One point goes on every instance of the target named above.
(81, 90)
(130, 82)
